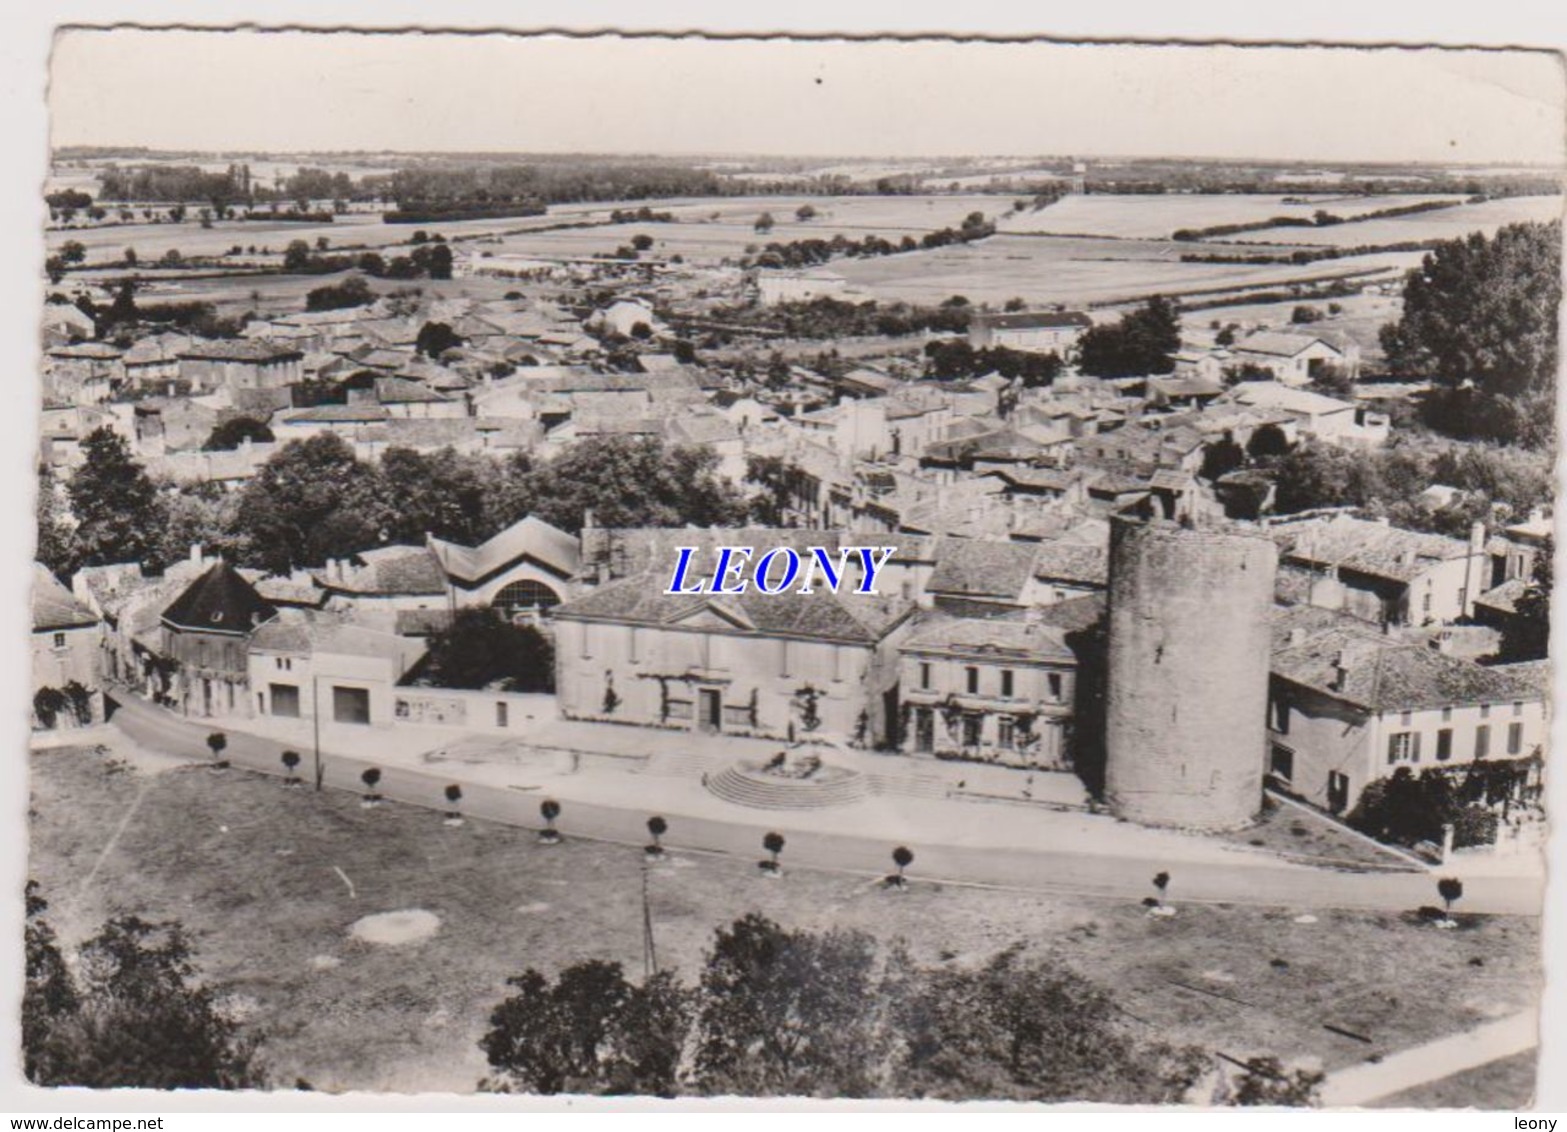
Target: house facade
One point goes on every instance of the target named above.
(66, 643)
(1348, 707)
(1045, 332)
(205, 635)
(778, 666)
(996, 690)
(301, 664)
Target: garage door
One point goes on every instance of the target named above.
(285, 699)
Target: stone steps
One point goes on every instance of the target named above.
(748, 788)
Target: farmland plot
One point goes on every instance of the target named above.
(1443, 224)
(1159, 215)
(1043, 270)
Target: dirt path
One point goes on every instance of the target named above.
(1360, 1084)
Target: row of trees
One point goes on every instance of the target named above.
(953, 358)
(1387, 481)
(781, 1012)
(315, 499)
(827, 318)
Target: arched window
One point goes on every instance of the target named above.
(525, 598)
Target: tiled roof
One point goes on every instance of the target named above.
(1504, 598)
(238, 350)
(1366, 547)
(54, 606)
(306, 632)
(1389, 675)
(219, 601)
(402, 391)
(1072, 562)
(1032, 320)
(981, 568)
(1273, 395)
(1278, 345)
(390, 570)
(1012, 637)
(821, 615)
(531, 537)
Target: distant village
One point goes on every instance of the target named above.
(1006, 502)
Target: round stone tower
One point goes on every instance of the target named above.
(1189, 649)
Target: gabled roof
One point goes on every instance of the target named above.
(389, 570)
(1279, 345)
(54, 606)
(980, 568)
(1036, 320)
(238, 350)
(1356, 666)
(529, 537)
(1013, 638)
(220, 601)
(1367, 547)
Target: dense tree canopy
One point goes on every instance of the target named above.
(780, 1011)
(130, 1013)
(1144, 341)
(481, 648)
(116, 506)
(1482, 312)
(312, 500)
(632, 482)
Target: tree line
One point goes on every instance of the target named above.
(315, 499)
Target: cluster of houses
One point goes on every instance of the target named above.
(984, 639)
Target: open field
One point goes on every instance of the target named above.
(1157, 216)
(257, 873)
(1049, 270)
(1360, 317)
(1441, 224)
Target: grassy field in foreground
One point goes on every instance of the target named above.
(269, 882)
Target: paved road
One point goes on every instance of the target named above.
(1042, 870)
(1361, 1084)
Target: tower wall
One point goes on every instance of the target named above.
(1189, 650)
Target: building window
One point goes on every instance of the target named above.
(631, 647)
(1054, 679)
(924, 674)
(1283, 763)
(1405, 718)
(526, 598)
(971, 678)
(285, 700)
(1400, 746)
(1006, 683)
(1444, 744)
(59, 640)
(500, 713)
(350, 705)
(1482, 741)
(1517, 707)
(1485, 711)
(1281, 717)
(1447, 714)
(1425, 604)
(1514, 738)
(1006, 732)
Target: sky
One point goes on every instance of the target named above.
(298, 91)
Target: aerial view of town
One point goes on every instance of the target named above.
(1053, 626)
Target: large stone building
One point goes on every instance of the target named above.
(1048, 332)
(1349, 706)
(996, 689)
(67, 639)
(754, 664)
